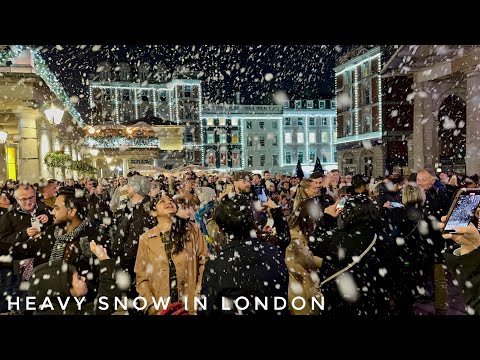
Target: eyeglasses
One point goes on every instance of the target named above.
(31, 199)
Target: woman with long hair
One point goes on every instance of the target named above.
(302, 265)
(171, 258)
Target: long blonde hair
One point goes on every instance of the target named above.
(301, 194)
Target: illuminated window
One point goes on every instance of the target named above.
(234, 122)
(235, 137)
(210, 122)
(223, 122)
(11, 162)
(324, 137)
(312, 138)
(223, 138)
(210, 138)
(288, 138)
(300, 138)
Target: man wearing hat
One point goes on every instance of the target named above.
(132, 222)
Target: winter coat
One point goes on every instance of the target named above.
(49, 281)
(76, 253)
(303, 279)
(14, 225)
(363, 289)
(249, 268)
(153, 271)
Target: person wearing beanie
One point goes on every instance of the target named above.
(56, 284)
(130, 223)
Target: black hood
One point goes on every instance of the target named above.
(50, 280)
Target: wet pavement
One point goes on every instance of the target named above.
(456, 303)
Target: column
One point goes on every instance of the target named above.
(3, 162)
(45, 146)
(423, 127)
(473, 123)
(28, 162)
(74, 158)
(125, 167)
(68, 150)
(410, 154)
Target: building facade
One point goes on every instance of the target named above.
(27, 89)
(374, 115)
(228, 136)
(446, 97)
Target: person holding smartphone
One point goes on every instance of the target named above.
(464, 262)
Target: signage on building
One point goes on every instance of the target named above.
(141, 161)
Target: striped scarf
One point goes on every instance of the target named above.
(62, 239)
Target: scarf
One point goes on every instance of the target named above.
(62, 239)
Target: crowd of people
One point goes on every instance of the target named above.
(354, 245)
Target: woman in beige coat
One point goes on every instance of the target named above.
(302, 265)
(170, 259)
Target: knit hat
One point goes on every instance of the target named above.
(140, 184)
(205, 194)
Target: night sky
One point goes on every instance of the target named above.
(259, 72)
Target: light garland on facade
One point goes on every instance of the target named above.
(154, 103)
(359, 60)
(135, 96)
(241, 124)
(200, 115)
(280, 127)
(332, 139)
(117, 142)
(379, 95)
(306, 159)
(117, 110)
(356, 84)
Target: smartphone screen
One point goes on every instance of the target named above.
(462, 212)
(342, 202)
(36, 223)
(262, 197)
(396, 204)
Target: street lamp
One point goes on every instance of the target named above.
(54, 115)
(3, 137)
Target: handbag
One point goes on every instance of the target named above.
(349, 266)
(175, 308)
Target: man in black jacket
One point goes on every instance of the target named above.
(246, 270)
(16, 226)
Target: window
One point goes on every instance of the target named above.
(300, 157)
(250, 160)
(366, 92)
(288, 122)
(222, 122)
(126, 95)
(210, 138)
(274, 125)
(262, 160)
(288, 157)
(334, 104)
(298, 104)
(11, 163)
(275, 160)
(211, 158)
(262, 140)
(163, 95)
(145, 95)
(321, 104)
(300, 121)
(235, 137)
(249, 141)
(349, 127)
(288, 138)
(368, 165)
(187, 91)
(312, 156)
(286, 104)
(324, 159)
(107, 95)
(223, 158)
(249, 124)
(234, 122)
(261, 124)
(312, 138)
(309, 104)
(311, 121)
(187, 108)
(335, 156)
(209, 122)
(300, 138)
(366, 69)
(189, 134)
(275, 141)
(368, 124)
(334, 137)
(324, 121)
(223, 138)
(334, 121)
(324, 137)
(235, 159)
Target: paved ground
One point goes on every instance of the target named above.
(456, 301)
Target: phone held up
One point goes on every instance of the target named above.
(463, 208)
(343, 200)
(36, 223)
